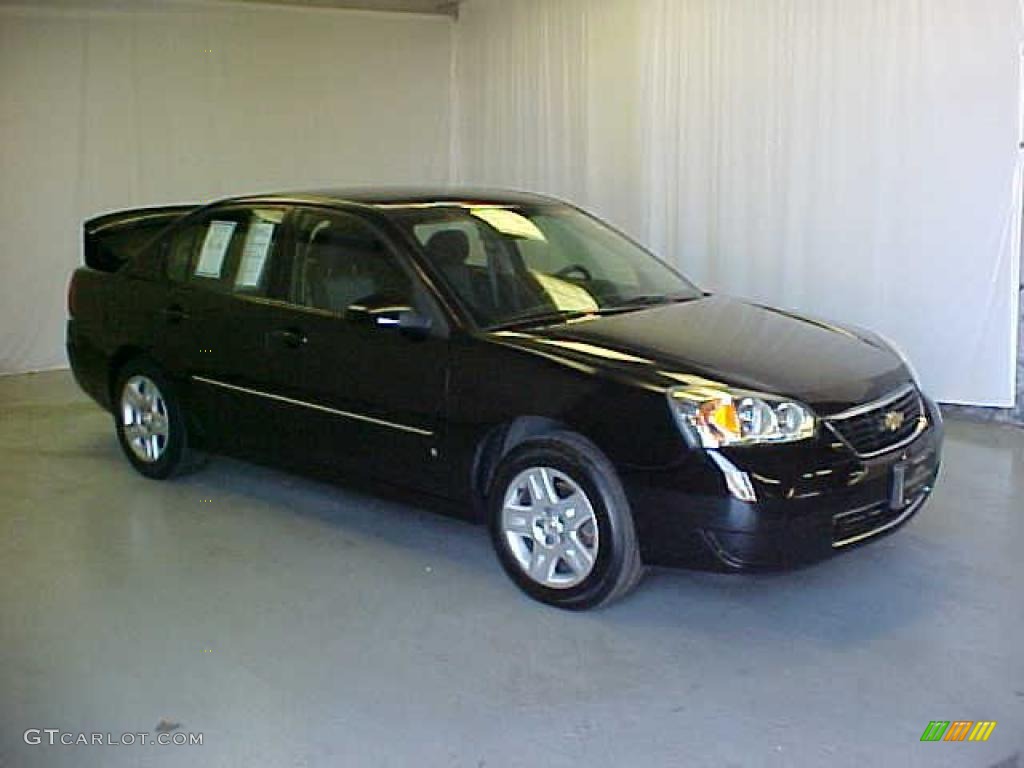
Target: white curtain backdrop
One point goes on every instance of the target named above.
(854, 160)
(107, 105)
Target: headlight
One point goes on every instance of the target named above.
(717, 418)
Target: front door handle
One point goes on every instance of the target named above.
(174, 314)
(289, 337)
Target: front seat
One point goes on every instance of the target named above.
(448, 251)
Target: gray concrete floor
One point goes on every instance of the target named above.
(294, 623)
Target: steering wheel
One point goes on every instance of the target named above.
(579, 269)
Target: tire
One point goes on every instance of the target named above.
(544, 542)
(150, 423)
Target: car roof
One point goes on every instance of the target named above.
(397, 197)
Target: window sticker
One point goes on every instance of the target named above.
(215, 248)
(254, 254)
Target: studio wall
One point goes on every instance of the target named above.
(113, 105)
(853, 160)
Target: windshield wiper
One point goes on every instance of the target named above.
(543, 317)
(648, 300)
(631, 304)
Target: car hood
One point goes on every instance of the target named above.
(728, 341)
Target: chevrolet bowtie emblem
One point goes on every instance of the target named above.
(893, 420)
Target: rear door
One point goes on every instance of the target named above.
(223, 268)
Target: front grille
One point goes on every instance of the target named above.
(876, 429)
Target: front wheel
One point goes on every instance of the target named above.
(561, 524)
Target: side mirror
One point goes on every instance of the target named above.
(414, 324)
(387, 312)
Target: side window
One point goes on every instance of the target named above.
(252, 254)
(179, 252)
(339, 261)
(230, 250)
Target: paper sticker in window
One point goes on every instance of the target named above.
(254, 254)
(215, 247)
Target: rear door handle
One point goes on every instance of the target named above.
(289, 337)
(174, 314)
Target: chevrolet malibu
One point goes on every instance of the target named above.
(512, 354)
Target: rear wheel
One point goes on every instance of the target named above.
(150, 423)
(561, 524)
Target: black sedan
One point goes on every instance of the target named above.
(510, 353)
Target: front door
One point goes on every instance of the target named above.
(364, 393)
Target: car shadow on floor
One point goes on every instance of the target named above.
(846, 601)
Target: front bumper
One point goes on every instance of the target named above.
(811, 501)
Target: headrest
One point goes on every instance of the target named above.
(449, 247)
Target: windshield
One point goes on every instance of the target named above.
(522, 264)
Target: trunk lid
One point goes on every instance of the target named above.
(112, 239)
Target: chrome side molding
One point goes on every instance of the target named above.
(316, 407)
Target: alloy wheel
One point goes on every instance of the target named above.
(550, 527)
(144, 418)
